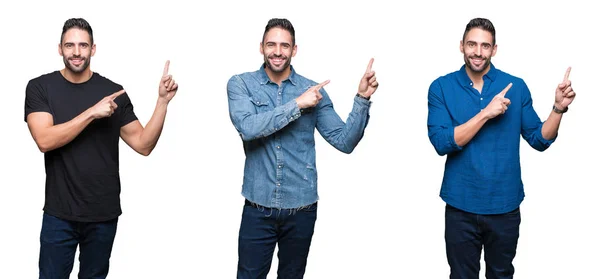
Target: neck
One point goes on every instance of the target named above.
(77, 77)
(278, 77)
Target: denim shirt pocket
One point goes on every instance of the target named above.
(260, 104)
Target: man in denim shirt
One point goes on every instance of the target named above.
(476, 117)
(276, 110)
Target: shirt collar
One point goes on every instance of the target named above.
(264, 78)
(465, 80)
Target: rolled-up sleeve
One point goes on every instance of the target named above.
(439, 123)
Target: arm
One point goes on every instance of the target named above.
(439, 122)
(343, 136)
(143, 140)
(346, 136)
(531, 125)
(564, 96)
(250, 124)
(48, 136)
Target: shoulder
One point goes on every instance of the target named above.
(105, 82)
(504, 76)
(449, 79)
(45, 78)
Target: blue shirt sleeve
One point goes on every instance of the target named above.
(439, 123)
(343, 136)
(251, 124)
(531, 125)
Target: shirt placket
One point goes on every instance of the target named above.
(278, 155)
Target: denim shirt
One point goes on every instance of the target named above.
(484, 176)
(280, 169)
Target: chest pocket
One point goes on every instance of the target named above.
(261, 104)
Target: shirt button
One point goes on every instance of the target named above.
(280, 166)
(481, 99)
(278, 147)
(278, 184)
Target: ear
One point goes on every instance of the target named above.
(93, 50)
(462, 48)
(60, 50)
(262, 52)
(294, 49)
(494, 50)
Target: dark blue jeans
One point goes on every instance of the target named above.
(59, 240)
(466, 233)
(262, 228)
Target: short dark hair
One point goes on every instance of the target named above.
(283, 24)
(79, 23)
(482, 23)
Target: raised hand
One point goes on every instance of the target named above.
(368, 84)
(499, 104)
(106, 107)
(311, 97)
(167, 87)
(564, 92)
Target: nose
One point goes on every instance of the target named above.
(278, 50)
(76, 50)
(478, 50)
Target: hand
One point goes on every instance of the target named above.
(106, 107)
(167, 87)
(498, 105)
(368, 84)
(311, 97)
(564, 92)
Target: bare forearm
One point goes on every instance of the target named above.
(56, 136)
(465, 132)
(550, 127)
(153, 129)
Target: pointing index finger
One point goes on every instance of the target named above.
(370, 65)
(503, 92)
(567, 75)
(166, 70)
(117, 94)
(320, 85)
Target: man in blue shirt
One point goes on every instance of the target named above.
(275, 110)
(476, 117)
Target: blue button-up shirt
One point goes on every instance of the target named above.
(484, 176)
(280, 169)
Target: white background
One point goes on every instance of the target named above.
(380, 215)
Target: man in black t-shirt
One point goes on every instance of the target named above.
(76, 117)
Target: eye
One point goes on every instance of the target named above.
(470, 44)
(486, 46)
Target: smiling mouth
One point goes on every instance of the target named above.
(277, 61)
(76, 61)
(477, 61)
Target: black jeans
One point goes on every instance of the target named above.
(465, 235)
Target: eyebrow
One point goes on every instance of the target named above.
(474, 42)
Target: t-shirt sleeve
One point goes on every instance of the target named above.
(127, 113)
(36, 99)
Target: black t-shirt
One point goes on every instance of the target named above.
(82, 177)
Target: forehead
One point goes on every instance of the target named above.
(479, 35)
(76, 35)
(278, 35)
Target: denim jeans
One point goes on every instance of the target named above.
(465, 235)
(262, 228)
(59, 239)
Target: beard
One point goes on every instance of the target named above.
(478, 69)
(277, 69)
(77, 69)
